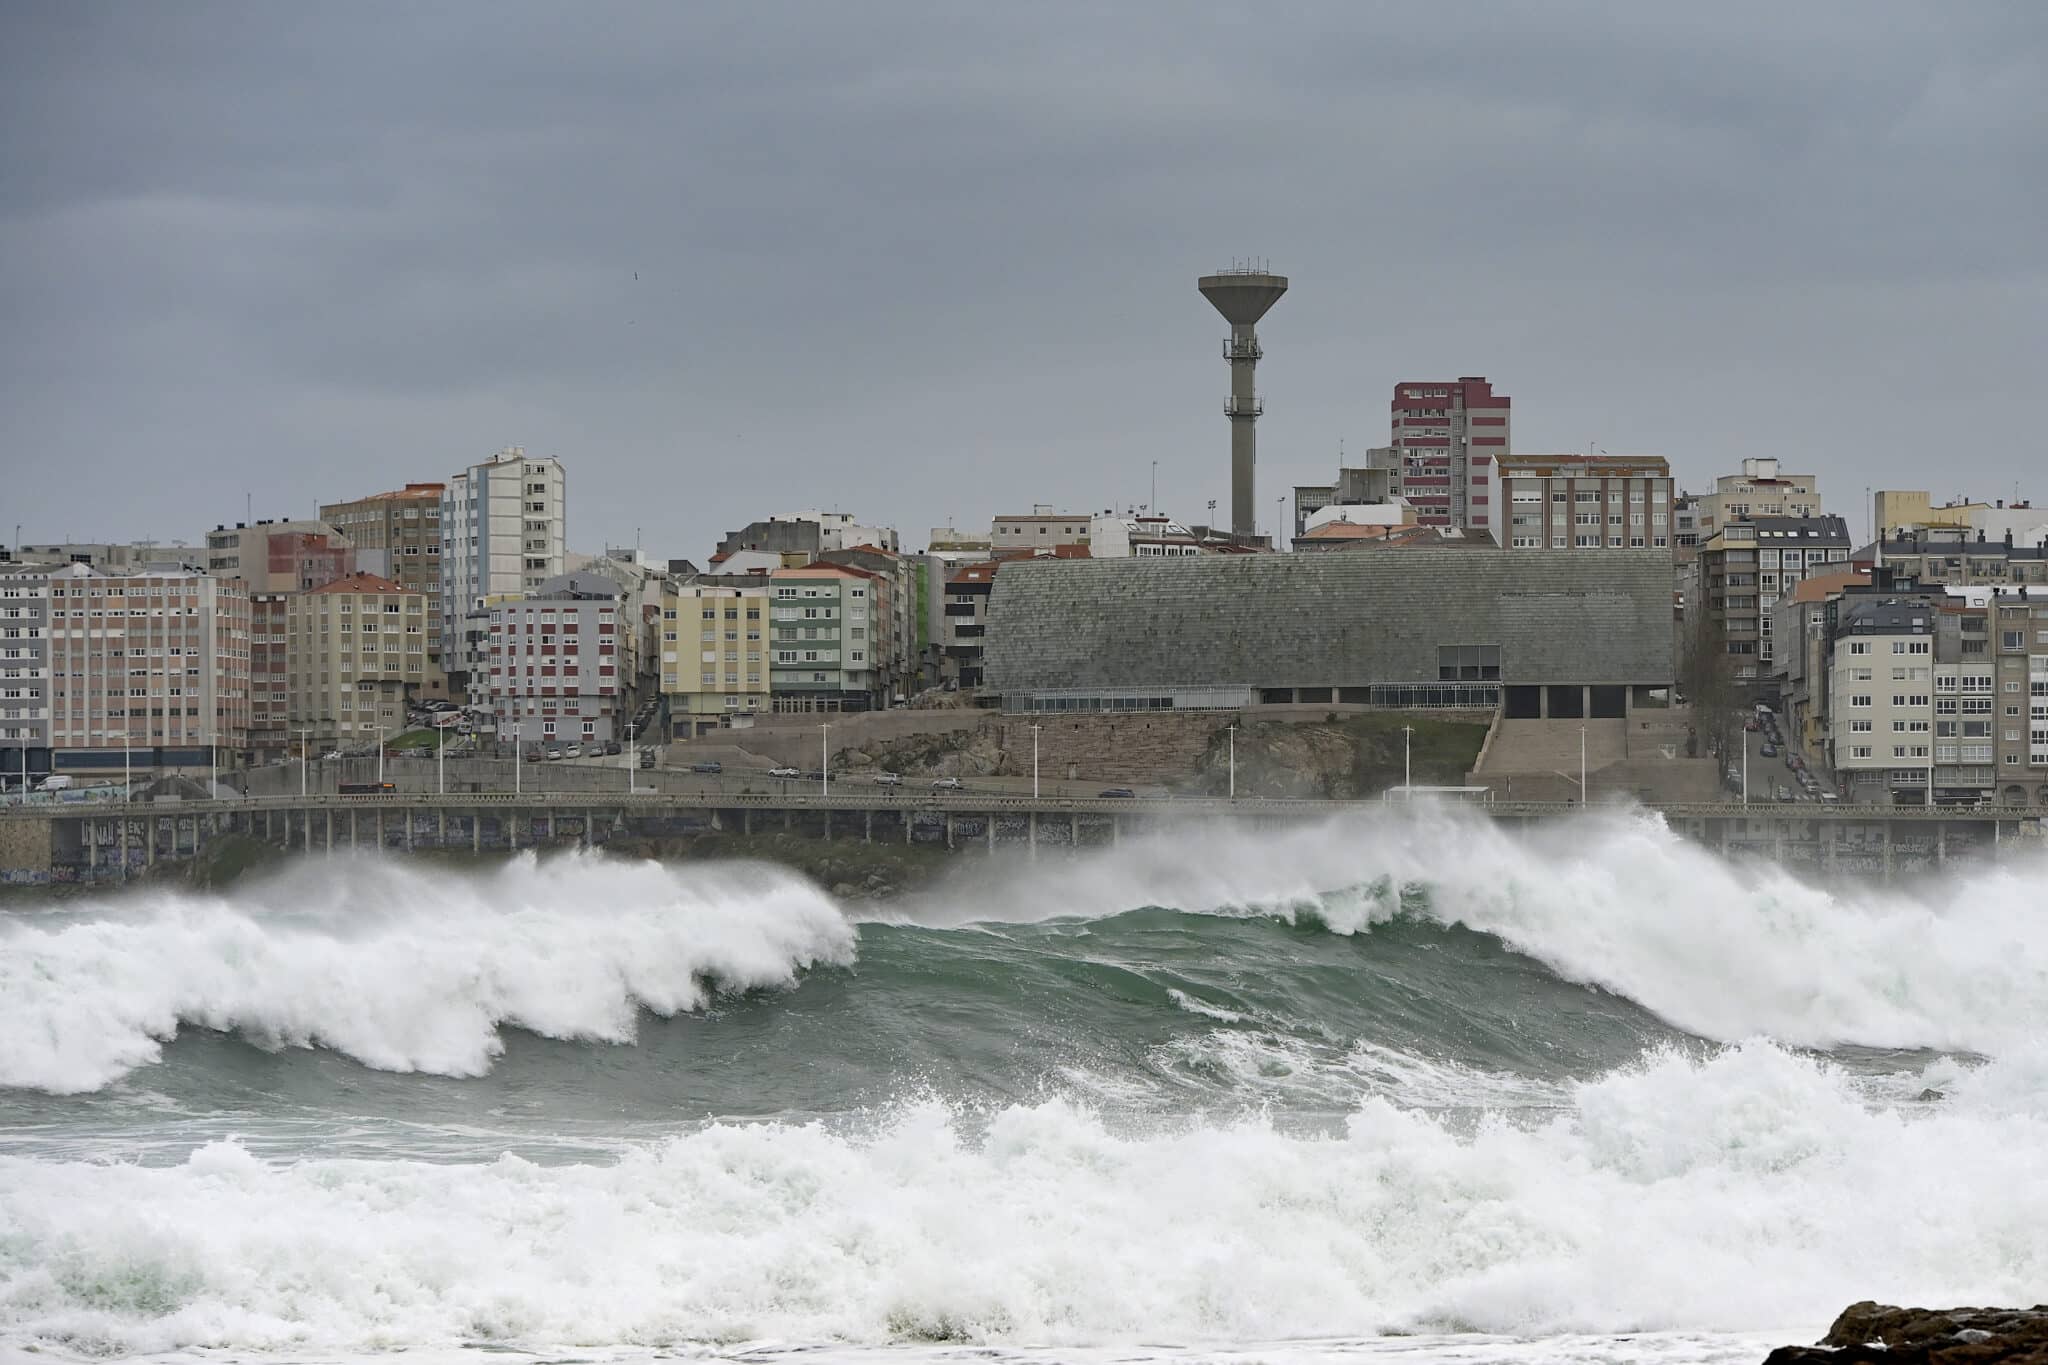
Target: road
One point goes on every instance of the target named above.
(1768, 776)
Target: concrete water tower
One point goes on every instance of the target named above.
(1243, 295)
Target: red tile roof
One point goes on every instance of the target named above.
(364, 582)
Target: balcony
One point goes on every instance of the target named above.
(1243, 407)
(1242, 348)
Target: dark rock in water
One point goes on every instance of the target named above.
(1878, 1334)
(1929, 1095)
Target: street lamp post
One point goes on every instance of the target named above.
(303, 732)
(1407, 763)
(1034, 751)
(825, 757)
(1742, 738)
(1584, 795)
(632, 772)
(1233, 763)
(441, 760)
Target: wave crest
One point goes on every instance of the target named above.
(400, 968)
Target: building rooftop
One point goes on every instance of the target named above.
(1820, 587)
(1887, 616)
(1422, 538)
(363, 582)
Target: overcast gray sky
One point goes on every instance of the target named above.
(927, 262)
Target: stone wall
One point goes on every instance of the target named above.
(25, 848)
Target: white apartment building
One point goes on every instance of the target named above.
(1882, 690)
(503, 533)
(554, 668)
(1111, 536)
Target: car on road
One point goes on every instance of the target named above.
(947, 784)
(888, 780)
(612, 746)
(1117, 792)
(1769, 750)
(707, 768)
(784, 772)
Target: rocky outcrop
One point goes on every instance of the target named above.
(1870, 1333)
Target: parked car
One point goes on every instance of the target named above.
(612, 746)
(1116, 792)
(56, 783)
(1769, 750)
(888, 780)
(784, 772)
(573, 751)
(814, 775)
(707, 767)
(554, 751)
(949, 784)
(534, 756)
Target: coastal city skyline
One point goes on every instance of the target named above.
(953, 260)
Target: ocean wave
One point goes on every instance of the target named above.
(1720, 949)
(401, 968)
(1744, 1189)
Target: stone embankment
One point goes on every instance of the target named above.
(1870, 1333)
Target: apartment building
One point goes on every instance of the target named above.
(1368, 485)
(397, 535)
(808, 533)
(151, 665)
(1761, 489)
(269, 734)
(554, 670)
(1586, 502)
(1748, 565)
(1936, 556)
(504, 532)
(356, 654)
(279, 556)
(822, 617)
(964, 633)
(1447, 438)
(1802, 626)
(1039, 530)
(896, 634)
(714, 655)
(1881, 700)
(24, 672)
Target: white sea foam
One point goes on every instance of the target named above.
(401, 968)
(1747, 1190)
(1722, 949)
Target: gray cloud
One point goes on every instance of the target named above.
(927, 260)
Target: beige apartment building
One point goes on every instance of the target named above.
(714, 655)
(1042, 529)
(356, 650)
(397, 535)
(153, 664)
(1586, 502)
(1760, 490)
